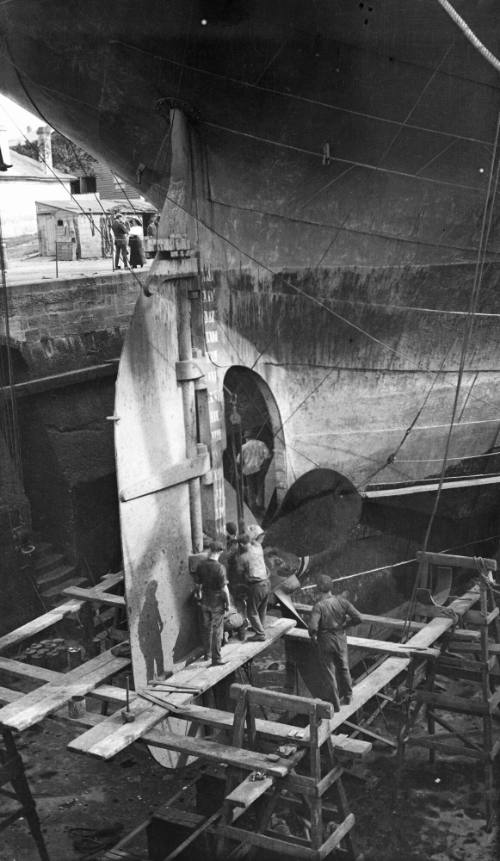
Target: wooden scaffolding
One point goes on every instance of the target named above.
(469, 652)
(266, 761)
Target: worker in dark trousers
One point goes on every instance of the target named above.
(213, 596)
(120, 231)
(253, 566)
(330, 616)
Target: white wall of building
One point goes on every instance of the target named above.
(17, 203)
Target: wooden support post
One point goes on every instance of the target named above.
(315, 801)
(479, 671)
(12, 771)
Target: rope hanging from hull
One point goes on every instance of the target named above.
(469, 34)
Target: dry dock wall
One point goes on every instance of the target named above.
(61, 325)
(66, 338)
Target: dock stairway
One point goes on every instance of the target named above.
(470, 653)
(53, 573)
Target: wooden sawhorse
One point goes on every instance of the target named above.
(268, 790)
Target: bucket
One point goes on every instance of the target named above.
(74, 654)
(77, 707)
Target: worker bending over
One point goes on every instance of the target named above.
(213, 597)
(330, 616)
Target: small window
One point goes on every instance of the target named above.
(60, 222)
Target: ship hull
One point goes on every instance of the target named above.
(329, 169)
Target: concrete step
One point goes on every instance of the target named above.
(43, 546)
(58, 574)
(56, 591)
(46, 561)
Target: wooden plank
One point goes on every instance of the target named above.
(430, 611)
(384, 621)
(439, 742)
(52, 617)
(392, 667)
(384, 646)
(207, 823)
(41, 623)
(202, 676)
(109, 693)
(29, 671)
(9, 696)
(223, 720)
(458, 662)
(112, 578)
(41, 702)
(452, 704)
(85, 720)
(337, 836)
(392, 622)
(226, 754)
(447, 560)
(272, 844)
(366, 689)
(95, 594)
(459, 646)
(437, 627)
(249, 791)
(113, 735)
(353, 747)
(465, 635)
(179, 473)
(375, 735)
(279, 700)
(475, 617)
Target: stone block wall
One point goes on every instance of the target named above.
(67, 444)
(68, 324)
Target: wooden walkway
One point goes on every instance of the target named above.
(176, 695)
(419, 644)
(112, 735)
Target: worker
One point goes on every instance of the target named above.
(256, 533)
(120, 231)
(254, 460)
(213, 597)
(230, 560)
(152, 230)
(330, 616)
(254, 570)
(235, 623)
(136, 246)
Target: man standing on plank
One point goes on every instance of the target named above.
(330, 616)
(214, 602)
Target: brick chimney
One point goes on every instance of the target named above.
(4, 149)
(45, 148)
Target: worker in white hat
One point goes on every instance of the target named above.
(255, 532)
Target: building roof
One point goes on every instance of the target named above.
(24, 167)
(92, 204)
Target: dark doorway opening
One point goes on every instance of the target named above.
(255, 453)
